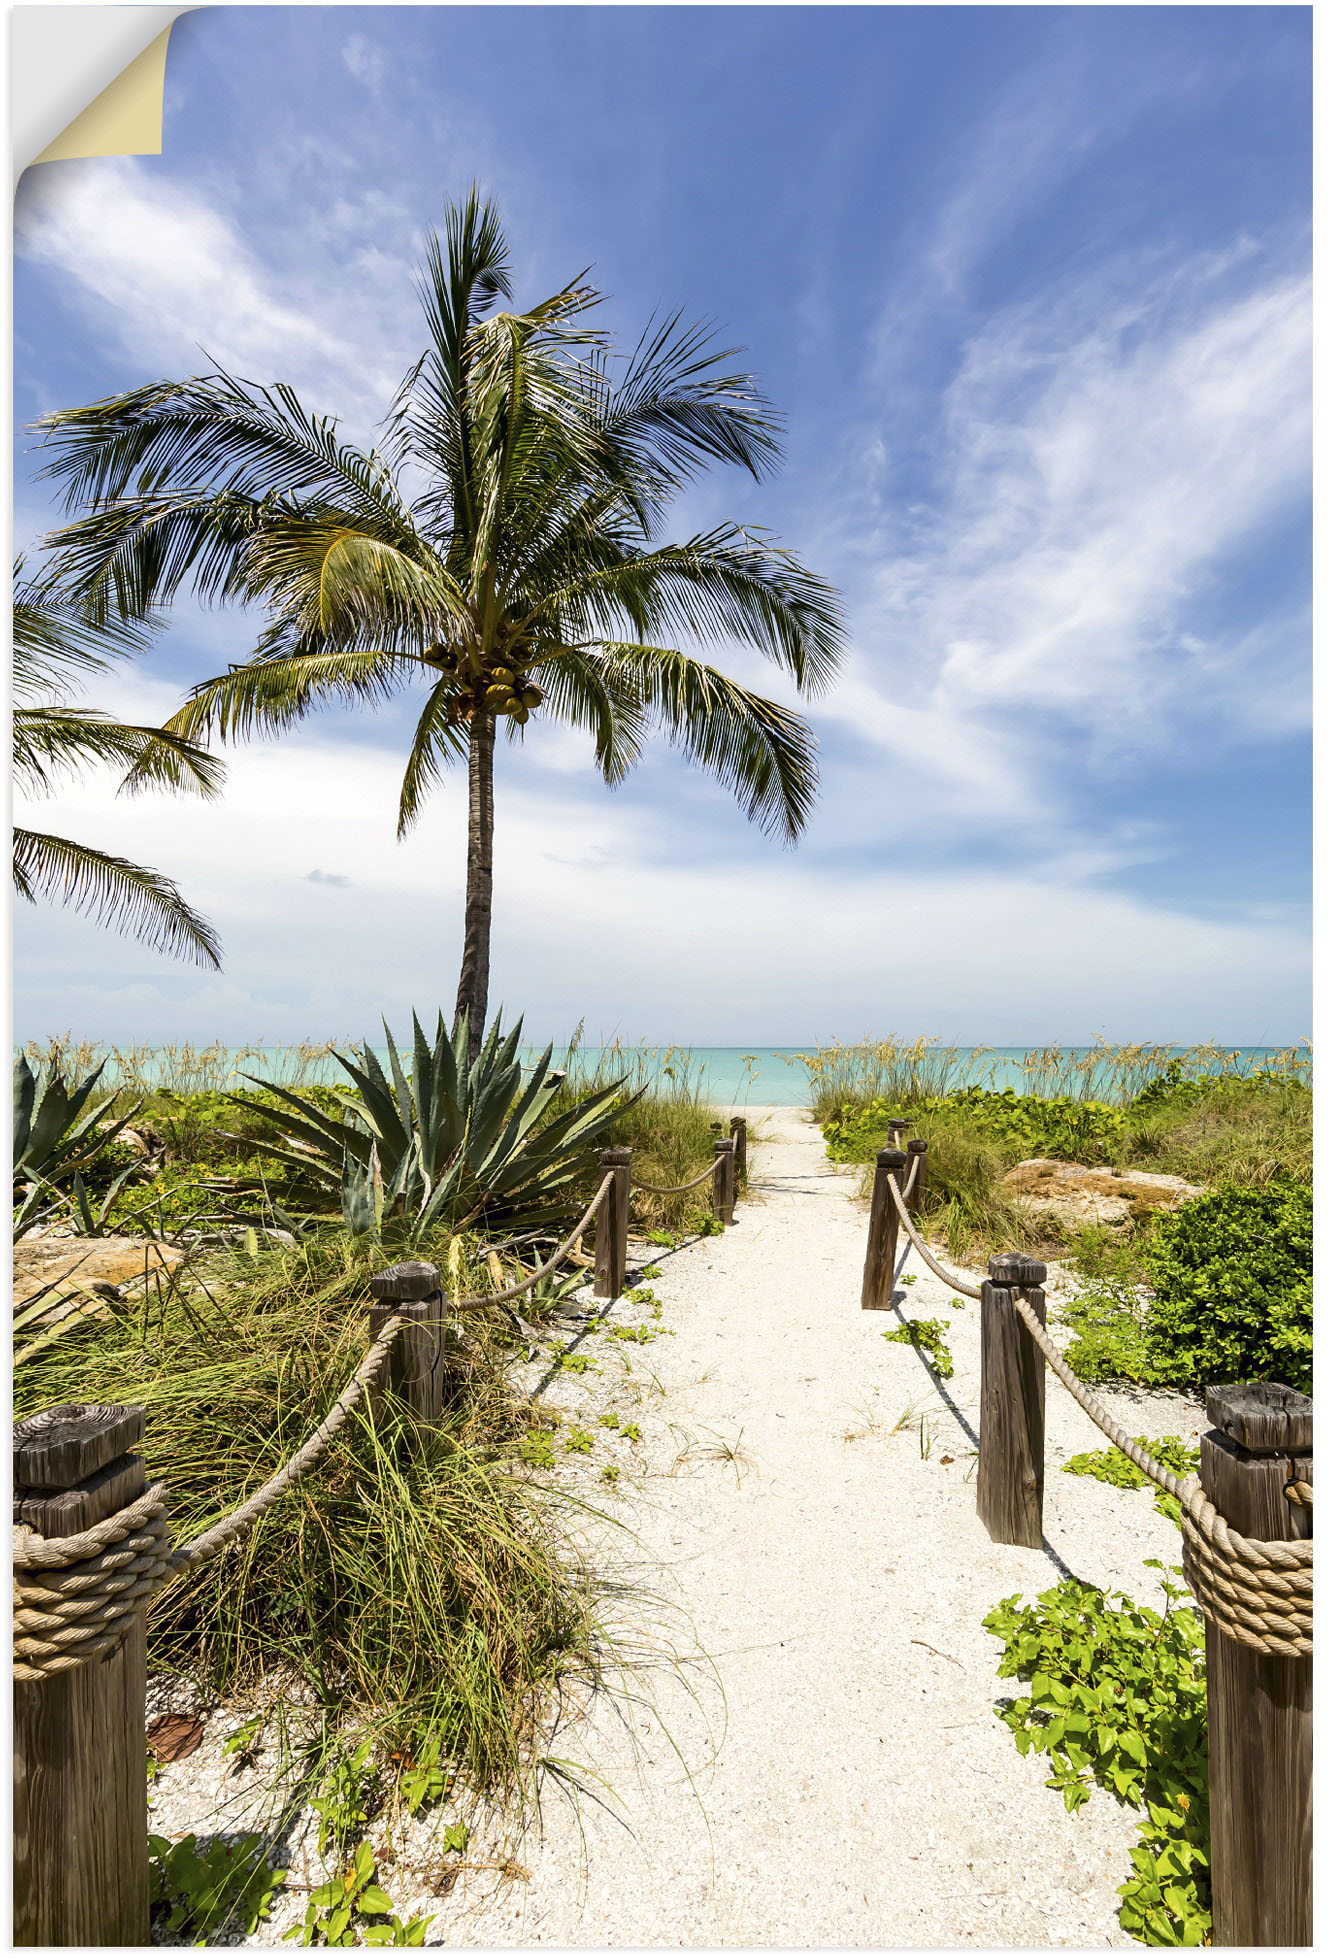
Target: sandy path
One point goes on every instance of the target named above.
(848, 1783)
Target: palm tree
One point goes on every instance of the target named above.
(56, 642)
(521, 575)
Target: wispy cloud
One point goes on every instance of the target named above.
(169, 273)
(329, 877)
(1099, 461)
(364, 60)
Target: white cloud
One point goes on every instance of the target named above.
(590, 922)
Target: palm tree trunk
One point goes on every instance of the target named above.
(473, 989)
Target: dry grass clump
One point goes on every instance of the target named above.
(423, 1596)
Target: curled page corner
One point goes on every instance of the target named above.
(87, 81)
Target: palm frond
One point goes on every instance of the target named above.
(764, 752)
(57, 740)
(731, 583)
(677, 407)
(437, 742)
(115, 892)
(585, 690)
(268, 694)
(55, 639)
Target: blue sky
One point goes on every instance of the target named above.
(1030, 286)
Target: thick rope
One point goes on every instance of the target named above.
(1260, 1593)
(911, 1179)
(515, 1291)
(215, 1540)
(75, 1597)
(958, 1284)
(675, 1189)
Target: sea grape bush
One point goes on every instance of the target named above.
(1231, 1275)
(1116, 1699)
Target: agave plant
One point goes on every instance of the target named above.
(58, 1132)
(451, 1143)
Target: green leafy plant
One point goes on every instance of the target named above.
(347, 1798)
(609, 1420)
(1232, 1276)
(1116, 1699)
(927, 1336)
(1109, 1319)
(578, 1441)
(651, 1271)
(447, 1143)
(423, 1780)
(1109, 1465)
(196, 1893)
(610, 1472)
(341, 1911)
(630, 1431)
(565, 1361)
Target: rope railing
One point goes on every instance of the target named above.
(949, 1277)
(76, 1595)
(1259, 1593)
(527, 1284)
(675, 1189)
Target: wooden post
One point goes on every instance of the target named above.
(416, 1370)
(611, 1225)
(894, 1131)
(878, 1271)
(725, 1178)
(919, 1150)
(738, 1130)
(80, 1782)
(1012, 1418)
(1259, 1737)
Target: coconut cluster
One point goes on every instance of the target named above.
(498, 689)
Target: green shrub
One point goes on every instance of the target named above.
(1231, 1275)
(1116, 1697)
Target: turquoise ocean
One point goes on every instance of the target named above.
(770, 1076)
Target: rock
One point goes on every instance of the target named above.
(1069, 1193)
(42, 1260)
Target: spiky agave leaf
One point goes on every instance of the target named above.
(449, 1142)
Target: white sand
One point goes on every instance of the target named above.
(831, 1772)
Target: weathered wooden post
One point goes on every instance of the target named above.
(1013, 1404)
(1259, 1720)
(738, 1130)
(917, 1150)
(895, 1130)
(80, 1787)
(724, 1178)
(416, 1370)
(878, 1271)
(611, 1225)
